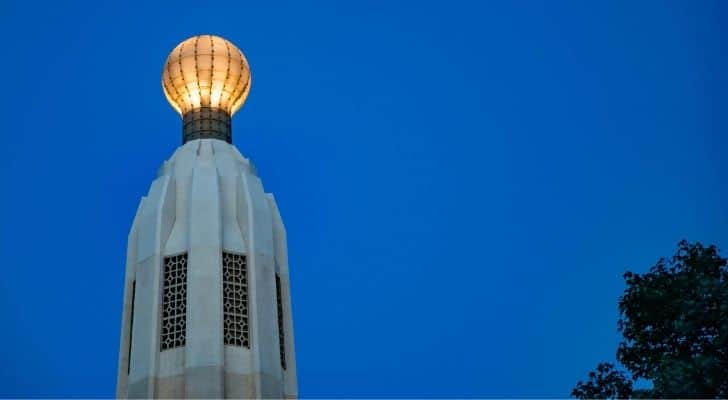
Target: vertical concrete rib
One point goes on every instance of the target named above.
(254, 335)
(181, 169)
(204, 348)
(232, 239)
(154, 215)
(263, 293)
(290, 385)
(122, 378)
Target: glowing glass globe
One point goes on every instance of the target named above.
(206, 71)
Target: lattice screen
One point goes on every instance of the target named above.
(235, 299)
(174, 302)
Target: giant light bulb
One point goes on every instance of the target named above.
(206, 79)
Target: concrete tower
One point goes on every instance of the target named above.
(207, 310)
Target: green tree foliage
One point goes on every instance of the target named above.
(604, 383)
(674, 323)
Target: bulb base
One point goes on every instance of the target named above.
(206, 123)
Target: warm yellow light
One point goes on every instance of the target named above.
(206, 71)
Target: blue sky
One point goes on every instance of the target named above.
(463, 183)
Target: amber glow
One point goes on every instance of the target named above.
(206, 71)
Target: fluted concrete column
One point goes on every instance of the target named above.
(204, 350)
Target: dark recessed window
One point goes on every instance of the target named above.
(281, 336)
(174, 302)
(131, 326)
(235, 299)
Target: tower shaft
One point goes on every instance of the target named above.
(207, 311)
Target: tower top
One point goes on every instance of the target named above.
(206, 79)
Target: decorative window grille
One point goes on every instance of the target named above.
(131, 326)
(281, 337)
(235, 299)
(174, 302)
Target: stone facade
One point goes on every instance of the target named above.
(206, 200)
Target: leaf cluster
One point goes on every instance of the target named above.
(674, 324)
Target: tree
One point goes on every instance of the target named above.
(674, 323)
(604, 383)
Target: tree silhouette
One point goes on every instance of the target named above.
(674, 323)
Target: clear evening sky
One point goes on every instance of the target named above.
(463, 184)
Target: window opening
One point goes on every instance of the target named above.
(174, 302)
(131, 326)
(235, 299)
(281, 337)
